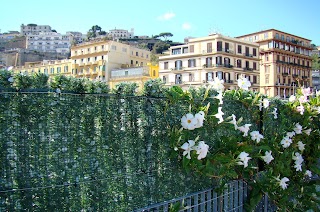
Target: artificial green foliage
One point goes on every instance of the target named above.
(77, 151)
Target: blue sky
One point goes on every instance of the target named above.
(182, 18)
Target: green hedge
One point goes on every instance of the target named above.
(107, 150)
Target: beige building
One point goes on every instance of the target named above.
(34, 29)
(96, 59)
(285, 61)
(201, 59)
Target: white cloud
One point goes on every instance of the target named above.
(186, 26)
(167, 16)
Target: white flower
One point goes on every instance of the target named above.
(233, 121)
(297, 157)
(244, 83)
(268, 157)
(243, 159)
(282, 182)
(187, 147)
(303, 99)
(301, 146)
(199, 117)
(291, 134)
(300, 109)
(188, 121)
(308, 173)
(245, 129)
(286, 141)
(202, 150)
(316, 109)
(292, 98)
(175, 148)
(274, 112)
(298, 167)
(256, 136)
(306, 91)
(10, 79)
(298, 128)
(219, 97)
(307, 131)
(266, 103)
(219, 115)
(217, 84)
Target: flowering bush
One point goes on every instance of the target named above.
(274, 147)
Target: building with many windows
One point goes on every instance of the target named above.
(49, 42)
(201, 59)
(120, 33)
(316, 73)
(34, 29)
(96, 59)
(285, 62)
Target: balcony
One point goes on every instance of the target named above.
(229, 81)
(225, 50)
(295, 75)
(285, 74)
(247, 55)
(304, 77)
(247, 69)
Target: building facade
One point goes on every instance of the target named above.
(120, 33)
(316, 72)
(285, 62)
(202, 59)
(49, 67)
(34, 29)
(49, 42)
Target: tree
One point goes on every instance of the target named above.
(53, 30)
(154, 59)
(164, 35)
(315, 62)
(94, 30)
(160, 46)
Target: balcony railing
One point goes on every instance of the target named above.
(295, 75)
(285, 74)
(247, 69)
(229, 81)
(247, 55)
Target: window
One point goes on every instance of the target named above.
(282, 37)
(254, 80)
(209, 62)
(254, 52)
(191, 49)
(113, 47)
(226, 47)
(154, 72)
(102, 57)
(220, 75)
(239, 64)
(192, 63)
(219, 46)
(247, 64)
(178, 79)
(131, 62)
(102, 47)
(95, 58)
(219, 60)
(185, 50)
(65, 68)
(254, 66)
(209, 76)
(178, 65)
(164, 79)
(88, 59)
(176, 51)
(266, 35)
(191, 77)
(277, 36)
(239, 49)
(247, 51)
(209, 47)
(166, 65)
(226, 61)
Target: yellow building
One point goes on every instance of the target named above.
(137, 75)
(285, 61)
(201, 59)
(49, 67)
(108, 61)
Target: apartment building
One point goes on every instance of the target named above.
(285, 62)
(316, 73)
(34, 29)
(202, 59)
(49, 67)
(98, 58)
(120, 33)
(49, 42)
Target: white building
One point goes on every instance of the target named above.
(34, 29)
(121, 33)
(49, 42)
